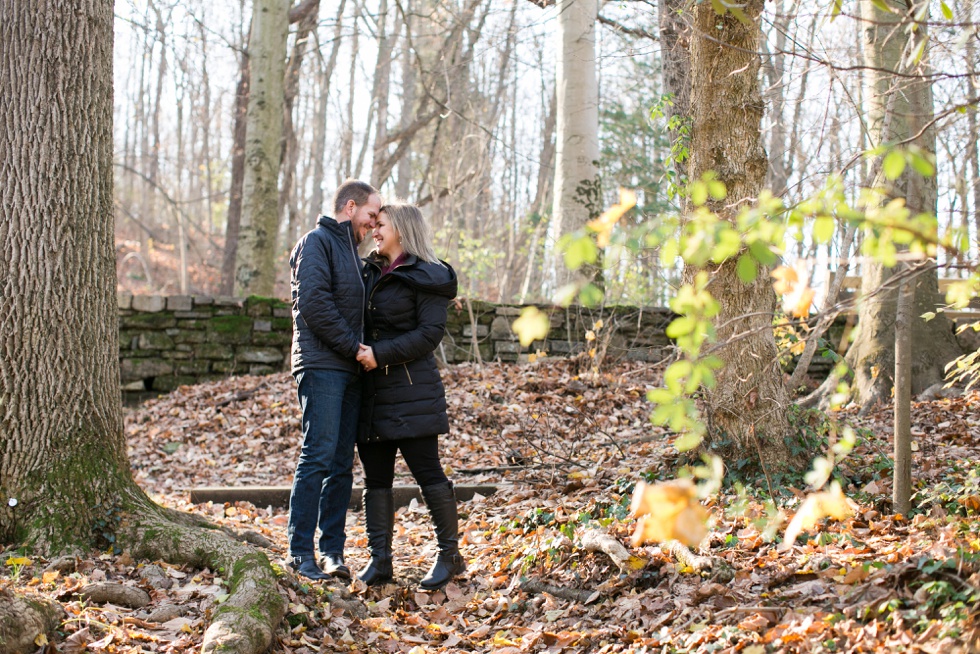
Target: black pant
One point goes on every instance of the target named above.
(421, 455)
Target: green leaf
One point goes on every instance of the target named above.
(717, 189)
(921, 164)
(893, 164)
(947, 12)
(883, 6)
(677, 372)
(920, 50)
(580, 250)
(747, 269)
(687, 442)
(661, 396)
(760, 250)
(699, 193)
(728, 244)
(823, 229)
(681, 327)
(835, 11)
(590, 295)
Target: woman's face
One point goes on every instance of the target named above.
(386, 238)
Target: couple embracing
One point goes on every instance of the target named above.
(364, 333)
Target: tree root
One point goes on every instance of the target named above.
(246, 621)
(128, 596)
(714, 568)
(23, 618)
(595, 540)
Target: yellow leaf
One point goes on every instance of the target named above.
(785, 280)
(603, 225)
(41, 640)
(19, 560)
(825, 504)
(532, 325)
(531, 358)
(801, 307)
(185, 628)
(668, 511)
(49, 577)
(597, 325)
(590, 335)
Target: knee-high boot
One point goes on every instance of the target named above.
(441, 500)
(379, 518)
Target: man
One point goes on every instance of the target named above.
(328, 299)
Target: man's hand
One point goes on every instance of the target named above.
(365, 356)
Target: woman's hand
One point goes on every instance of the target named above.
(365, 356)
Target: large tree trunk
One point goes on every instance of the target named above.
(578, 196)
(900, 107)
(255, 264)
(63, 463)
(747, 408)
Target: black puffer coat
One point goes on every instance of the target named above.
(406, 320)
(328, 294)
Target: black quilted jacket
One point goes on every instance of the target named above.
(406, 320)
(329, 295)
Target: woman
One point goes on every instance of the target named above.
(404, 402)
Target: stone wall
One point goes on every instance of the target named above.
(166, 341)
(180, 339)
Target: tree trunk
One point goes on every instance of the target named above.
(320, 119)
(255, 263)
(380, 93)
(290, 140)
(675, 42)
(899, 108)
(578, 196)
(902, 479)
(747, 408)
(233, 224)
(63, 465)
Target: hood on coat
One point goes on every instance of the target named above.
(422, 275)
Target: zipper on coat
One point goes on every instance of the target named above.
(360, 278)
(405, 366)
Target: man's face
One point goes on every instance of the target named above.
(363, 217)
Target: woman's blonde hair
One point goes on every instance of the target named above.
(412, 229)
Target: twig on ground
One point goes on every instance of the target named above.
(536, 586)
(594, 540)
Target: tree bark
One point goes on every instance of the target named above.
(899, 108)
(746, 410)
(256, 257)
(63, 465)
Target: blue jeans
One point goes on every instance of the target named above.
(330, 401)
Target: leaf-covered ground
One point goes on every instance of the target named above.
(567, 446)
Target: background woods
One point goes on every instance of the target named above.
(460, 106)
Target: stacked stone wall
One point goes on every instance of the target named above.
(167, 341)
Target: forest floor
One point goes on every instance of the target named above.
(568, 446)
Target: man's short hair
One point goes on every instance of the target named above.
(352, 189)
